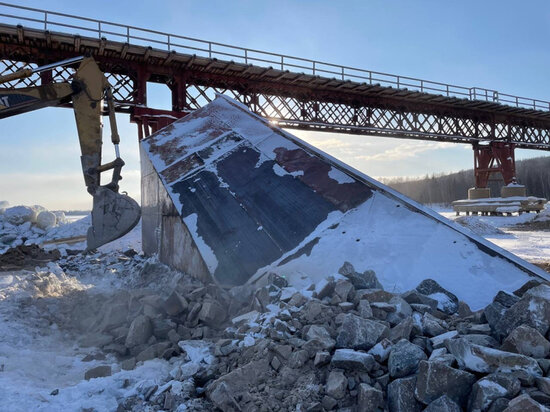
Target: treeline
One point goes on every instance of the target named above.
(445, 188)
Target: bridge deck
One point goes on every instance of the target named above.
(295, 100)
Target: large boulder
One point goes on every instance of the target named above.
(487, 360)
(443, 404)
(506, 299)
(493, 313)
(359, 333)
(446, 301)
(140, 331)
(404, 359)
(432, 326)
(401, 395)
(532, 311)
(365, 280)
(526, 341)
(413, 296)
(336, 385)
(525, 403)
(490, 388)
(402, 310)
(320, 333)
(212, 313)
(540, 291)
(436, 379)
(352, 360)
(370, 399)
(98, 372)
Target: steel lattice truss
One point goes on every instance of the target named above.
(294, 100)
(297, 113)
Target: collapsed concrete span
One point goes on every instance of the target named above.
(228, 196)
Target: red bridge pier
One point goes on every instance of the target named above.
(495, 157)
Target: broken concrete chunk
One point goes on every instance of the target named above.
(413, 296)
(212, 313)
(435, 379)
(369, 399)
(443, 404)
(222, 398)
(524, 403)
(402, 310)
(128, 364)
(98, 372)
(493, 312)
(506, 299)
(432, 326)
(446, 301)
(439, 340)
(482, 340)
(526, 341)
(404, 359)
(298, 359)
(364, 309)
(543, 384)
(531, 311)
(175, 304)
(152, 352)
(528, 285)
(540, 291)
(336, 385)
(359, 333)
(346, 269)
(141, 329)
(321, 359)
(401, 395)
(480, 359)
(490, 388)
(324, 288)
(321, 334)
(402, 330)
(344, 289)
(352, 360)
(381, 351)
(248, 317)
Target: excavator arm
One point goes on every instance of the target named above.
(113, 214)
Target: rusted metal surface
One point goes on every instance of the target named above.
(255, 195)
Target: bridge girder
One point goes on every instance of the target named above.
(292, 100)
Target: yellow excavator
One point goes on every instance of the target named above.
(113, 214)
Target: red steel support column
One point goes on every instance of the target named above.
(494, 158)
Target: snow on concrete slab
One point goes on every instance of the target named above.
(315, 212)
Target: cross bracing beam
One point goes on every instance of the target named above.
(394, 108)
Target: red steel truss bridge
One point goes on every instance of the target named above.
(290, 91)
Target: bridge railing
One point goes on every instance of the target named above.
(84, 26)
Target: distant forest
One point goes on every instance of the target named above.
(445, 188)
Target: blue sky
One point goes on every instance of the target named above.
(501, 45)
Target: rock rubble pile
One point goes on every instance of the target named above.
(343, 344)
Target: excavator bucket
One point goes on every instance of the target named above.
(113, 215)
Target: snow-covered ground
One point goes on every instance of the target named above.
(39, 358)
(42, 363)
(531, 245)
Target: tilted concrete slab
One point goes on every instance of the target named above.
(227, 195)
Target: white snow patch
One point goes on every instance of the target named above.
(340, 176)
(403, 250)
